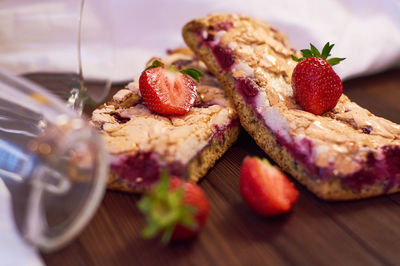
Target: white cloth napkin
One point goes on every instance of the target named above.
(13, 250)
(122, 35)
(366, 32)
(42, 36)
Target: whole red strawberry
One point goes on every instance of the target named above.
(168, 91)
(265, 189)
(316, 86)
(176, 209)
(193, 196)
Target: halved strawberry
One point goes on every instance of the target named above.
(265, 189)
(168, 91)
(176, 209)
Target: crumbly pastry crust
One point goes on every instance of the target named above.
(342, 139)
(194, 141)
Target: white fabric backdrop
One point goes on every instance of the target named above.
(13, 251)
(366, 32)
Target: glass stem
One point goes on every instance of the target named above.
(78, 92)
(76, 101)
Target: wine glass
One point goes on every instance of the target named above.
(54, 165)
(95, 54)
(64, 45)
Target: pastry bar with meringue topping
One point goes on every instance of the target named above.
(142, 143)
(347, 153)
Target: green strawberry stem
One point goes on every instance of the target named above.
(155, 64)
(313, 52)
(193, 73)
(266, 162)
(164, 209)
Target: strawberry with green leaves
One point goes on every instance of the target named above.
(175, 209)
(316, 86)
(265, 189)
(168, 91)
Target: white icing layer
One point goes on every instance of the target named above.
(276, 122)
(217, 37)
(247, 70)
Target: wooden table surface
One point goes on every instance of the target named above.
(365, 232)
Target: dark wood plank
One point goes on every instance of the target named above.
(378, 93)
(286, 234)
(395, 198)
(373, 221)
(74, 254)
(364, 232)
(233, 234)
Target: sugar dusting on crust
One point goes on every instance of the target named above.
(174, 138)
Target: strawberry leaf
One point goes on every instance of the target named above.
(314, 51)
(297, 59)
(326, 50)
(188, 221)
(154, 64)
(306, 53)
(150, 230)
(164, 209)
(335, 60)
(330, 48)
(194, 73)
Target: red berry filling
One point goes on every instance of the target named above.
(120, 119)
(225, 25)
(368, 175)
(220, 130)
(182, 63)
(143, 170)
(246, 87)
(224, 57)
(392, 154)
(302, 151)
(210, 38)
(374, 170)
(367, 129)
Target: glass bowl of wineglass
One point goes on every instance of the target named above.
(55, 58)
